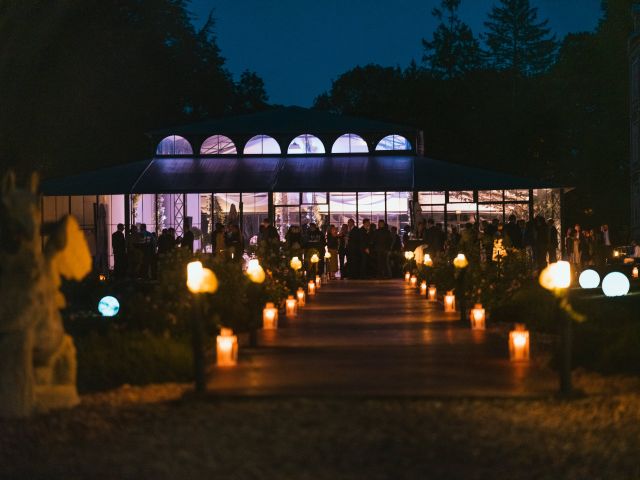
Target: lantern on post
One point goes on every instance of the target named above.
(255, 272)
(408, 255)
(427, 262)
(199, 280)
(519, 343)
(226, 348)
(311, 288)
(290, 306)
(270, 317)
(295, 264)
(461, 261)
(432, 293)
(301, 297)
(478, 317)
(423, 287)
(450, 302)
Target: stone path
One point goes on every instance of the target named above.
(379, 338)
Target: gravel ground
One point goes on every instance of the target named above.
(158, 432)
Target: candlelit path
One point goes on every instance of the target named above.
(378, 338)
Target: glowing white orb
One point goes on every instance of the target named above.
(589, 279)
(108, 306)
(615, 284)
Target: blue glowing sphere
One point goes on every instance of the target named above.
(589, 279)
(108, 306)
(615, 284)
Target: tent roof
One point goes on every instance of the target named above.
(286, 120)
(328, 173)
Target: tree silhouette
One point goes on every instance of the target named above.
(453, 51)
(517, 42)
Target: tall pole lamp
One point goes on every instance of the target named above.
(461, 263)
(200, 280)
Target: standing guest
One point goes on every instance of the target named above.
(365, 246)
(333, 243)
(568, 244)
(293, 241)
(553, 241)
(219, 240)
(146, 246)
(636, 250)
(342, 247)
(406, 236)
(315, 244)
(188, 238)
(433, 238)
(382, 240)
(606, 244)
(354, 253)
(235, 242)
(512, 232)
(541, 244)
(268, 235)
(119, 248)
(395, 258)
(134, 254)
(421, 232)
(577, 242)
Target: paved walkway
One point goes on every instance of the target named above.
(378, 338)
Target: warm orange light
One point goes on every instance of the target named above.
(428, 262)
(255, 272)
(301, 297)
(318, 282)
(460, 261)
(407, 277)
(295, 264)
(226, 348)
(413, 281)
(270, 317)
(311, 288)
(478, 317)
(314, 258)
(291, 306)
(201, 280)
(423, 288)
(519, 343)
(432, 293)
(556, 276)
(634, 272)
(408, 255)
(102, 277)
(449, 302)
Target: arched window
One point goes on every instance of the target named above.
(305, 144)
(218, 145)
(350, 143)
(394, 142)
(174, 145)
(262, 145)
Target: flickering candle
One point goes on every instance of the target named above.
(226, 348)
(478, 316)
(449, 302)
(291, 307)
(270, 317)
(519, 343)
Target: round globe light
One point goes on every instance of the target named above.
(108, 306)
(615, 284)
(589, 279)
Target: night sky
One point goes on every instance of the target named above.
(299, 46)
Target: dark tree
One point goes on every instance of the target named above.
(516, 41)
(250, 94)
(453, 51)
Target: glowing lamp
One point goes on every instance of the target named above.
(327, 255)
(432, 293)
(226, 348)
(556, 276)
(408, 255)
(201, 280)
(102, 277)
(295, 264)
(108, 306)
(616, 253)
(423, 288)
(291, 306)
(519, 344)
(450, 302)
(314, 258)
(589, 279)
(270, 317)
(460, 261)
(634, 272)
(478, 317)
(428, 262)
(255, 272)
(301, 297)
(407, 277)
(413, 281)
(615, 284)
(318, 282)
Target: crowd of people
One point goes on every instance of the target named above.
(371, 250)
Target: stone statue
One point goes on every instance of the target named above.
(37, 359)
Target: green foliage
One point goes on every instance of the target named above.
(137, 358)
